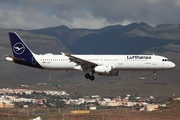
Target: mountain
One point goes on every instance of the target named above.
(135, 38)
(115, 39)
(131, 39)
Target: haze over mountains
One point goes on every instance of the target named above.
(135, 38)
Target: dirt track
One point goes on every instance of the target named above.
(165, 114)
(107, 114)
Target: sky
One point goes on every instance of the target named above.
(92, 14)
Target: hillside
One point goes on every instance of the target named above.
(135, 38)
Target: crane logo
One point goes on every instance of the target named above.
(18, 48)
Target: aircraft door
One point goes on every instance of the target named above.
(154, 61)
(120, 61)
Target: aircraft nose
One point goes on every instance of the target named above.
(172, 65)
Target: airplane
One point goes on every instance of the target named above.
(105, 65)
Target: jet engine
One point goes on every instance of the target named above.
(103, 69)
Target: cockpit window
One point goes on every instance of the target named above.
(165, 60)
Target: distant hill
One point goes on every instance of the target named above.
(131, 39)
(135, 38)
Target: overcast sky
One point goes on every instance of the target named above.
(35, 14)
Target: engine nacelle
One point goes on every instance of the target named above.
(112, 73)
(103, 69)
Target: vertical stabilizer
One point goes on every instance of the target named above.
(22, 54)
(19, 48)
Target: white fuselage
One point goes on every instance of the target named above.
(119, 62)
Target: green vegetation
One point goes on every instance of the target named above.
(174, 104)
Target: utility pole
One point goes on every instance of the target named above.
(9, 114)
(59, 110)
(63, 116)
(102, 116)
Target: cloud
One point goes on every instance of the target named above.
(33, 14)
(151, 11)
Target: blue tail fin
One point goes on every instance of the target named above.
(22, 54)
(19, 48)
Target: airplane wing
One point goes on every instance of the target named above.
(80, 61)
